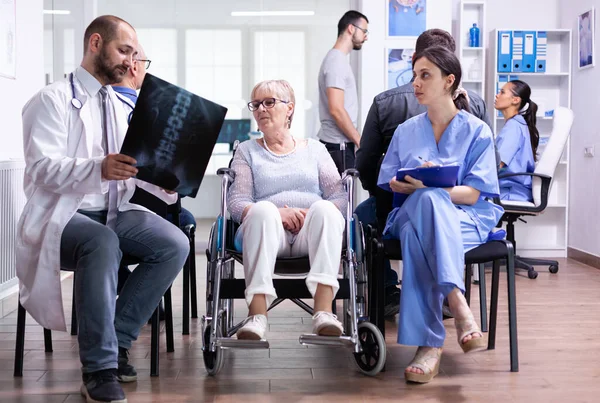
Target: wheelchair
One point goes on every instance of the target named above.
(363, 338)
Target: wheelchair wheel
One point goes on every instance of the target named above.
(213, 362)
(372, 358)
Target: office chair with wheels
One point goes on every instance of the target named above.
(541, 182)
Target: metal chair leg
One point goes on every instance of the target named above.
(482, 298)
(468, 276)
(186, 297)
(169, 321)
(155, 343)
(193, 273)
(512, 312)
(494, 305)
(47, 340)
(74, 325)
(20, 343)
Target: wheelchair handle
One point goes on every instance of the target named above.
(350, 172)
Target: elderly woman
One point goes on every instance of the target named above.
(289, 198)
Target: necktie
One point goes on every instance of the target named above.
(108, 142)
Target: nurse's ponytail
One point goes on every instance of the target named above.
(448, 63)
(528, 109)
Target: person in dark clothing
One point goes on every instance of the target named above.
(390, 109)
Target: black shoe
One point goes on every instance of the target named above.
(102, 386)
(126, 372)
(392, 301)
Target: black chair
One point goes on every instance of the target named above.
(189, 268)
(497, 252)
(155, 334)
(156, 205)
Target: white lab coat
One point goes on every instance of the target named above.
(59, 172)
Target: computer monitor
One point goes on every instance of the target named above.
(234, 129)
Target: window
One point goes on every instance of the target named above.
(280, 55)
(213, 67)
(160, 45)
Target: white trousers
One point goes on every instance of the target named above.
(264, 239)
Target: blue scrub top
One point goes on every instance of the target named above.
(514, 147)
(468, 142)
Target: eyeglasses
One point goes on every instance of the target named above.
(366, 31)
(268, 103)
(147, 61)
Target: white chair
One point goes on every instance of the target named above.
(542, 180)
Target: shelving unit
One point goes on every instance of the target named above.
(546, 234)
(472, 59)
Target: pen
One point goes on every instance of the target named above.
(422, 159)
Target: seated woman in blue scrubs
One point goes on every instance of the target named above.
(518, 140)
(437, 225)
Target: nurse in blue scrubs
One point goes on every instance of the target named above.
(518, 140)
(435, 225)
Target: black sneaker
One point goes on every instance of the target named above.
(102, 386)
(126, 372)
(392, 301)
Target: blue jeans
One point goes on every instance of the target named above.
(94, 252)
(367, 214)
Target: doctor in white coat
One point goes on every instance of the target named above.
(78, 214)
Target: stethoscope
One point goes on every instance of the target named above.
(77, 104)
(74, 101)
(127, 102)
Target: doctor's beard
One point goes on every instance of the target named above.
(112, 74)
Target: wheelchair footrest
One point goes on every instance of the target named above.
(285, 288)
(226, 342)
(342, 341)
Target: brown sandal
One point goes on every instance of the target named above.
(466, 327)
(422, 361)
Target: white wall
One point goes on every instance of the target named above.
(372, 56)
(30, 77)
(514, 14)
(584, 195)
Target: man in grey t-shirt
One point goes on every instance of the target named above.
(338, 98)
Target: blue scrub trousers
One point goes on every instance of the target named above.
(434, 233)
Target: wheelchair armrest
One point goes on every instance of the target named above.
(226, 171)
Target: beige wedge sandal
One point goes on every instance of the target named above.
(423, 361)
(466, 327)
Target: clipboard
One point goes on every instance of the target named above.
(438, 177)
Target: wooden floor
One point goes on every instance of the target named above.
(559, 345)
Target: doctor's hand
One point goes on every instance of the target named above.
(118, 167)
(407, 187)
